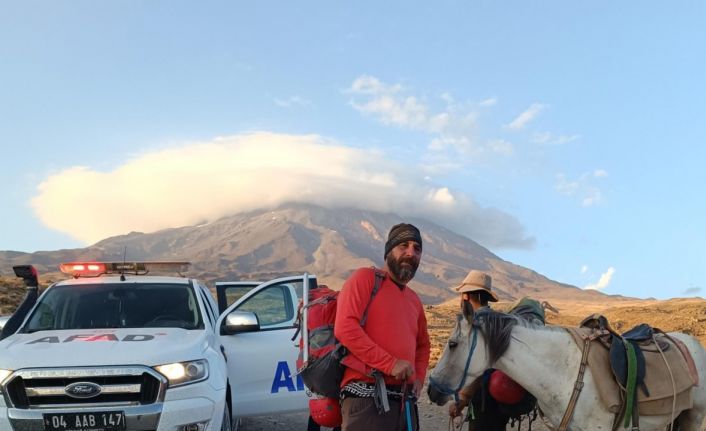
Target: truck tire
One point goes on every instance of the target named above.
(226, 425)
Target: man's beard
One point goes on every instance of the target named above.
(402, 273)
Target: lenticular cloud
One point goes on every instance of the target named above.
(205, 181)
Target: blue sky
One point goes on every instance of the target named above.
(568, 138)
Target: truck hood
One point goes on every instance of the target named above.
(89, 347)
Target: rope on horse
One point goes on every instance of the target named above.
(671, 376)
(550, 426)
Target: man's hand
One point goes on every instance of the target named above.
(417, 388)
(402, 370)
(456, 409)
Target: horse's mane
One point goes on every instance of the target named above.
(497, 331)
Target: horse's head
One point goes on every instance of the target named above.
(464, 359)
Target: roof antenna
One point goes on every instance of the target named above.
(122, 270)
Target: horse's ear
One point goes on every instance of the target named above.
(467, 310)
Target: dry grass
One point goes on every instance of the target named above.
(11, 293)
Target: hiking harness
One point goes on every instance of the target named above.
(381, 395)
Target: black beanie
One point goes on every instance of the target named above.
(400, 233)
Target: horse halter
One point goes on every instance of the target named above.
(446, 390)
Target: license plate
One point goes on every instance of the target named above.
(93, 421)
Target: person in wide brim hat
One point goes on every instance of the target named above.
(478, 282)
(476, 291)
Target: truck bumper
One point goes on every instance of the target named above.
(181, 406)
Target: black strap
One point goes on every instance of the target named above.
(299, 328)
(379, 277)
(14, 322)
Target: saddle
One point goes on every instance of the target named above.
(643, 357)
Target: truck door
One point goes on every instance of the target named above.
(261, 364)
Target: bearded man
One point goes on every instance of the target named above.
(391, 342)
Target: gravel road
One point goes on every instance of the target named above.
(432, 418)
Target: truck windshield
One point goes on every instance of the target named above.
(134, 305)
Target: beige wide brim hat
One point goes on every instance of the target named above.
(477, 281)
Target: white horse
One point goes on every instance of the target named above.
(545, 361)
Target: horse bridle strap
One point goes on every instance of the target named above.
(578, 385)
(445, 389)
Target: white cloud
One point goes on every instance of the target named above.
(204, 181)
(584, 269)
(582, 188)
(528, 115)
(603, 282)
(593, 197)
(366, 84)
(548, 138)
(488, 102)
(564, 186)
(501, 146)
(390, 105)
(442, 196)
(291, 102)
(600, 173)
(447, 97)
(452, 126)
(456, 137)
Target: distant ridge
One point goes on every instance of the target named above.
(330, 243)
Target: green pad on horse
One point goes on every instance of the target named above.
(529, 309)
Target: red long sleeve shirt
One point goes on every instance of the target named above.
(396, 327)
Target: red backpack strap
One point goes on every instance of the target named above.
(379, 277)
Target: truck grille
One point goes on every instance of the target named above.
(46, 388)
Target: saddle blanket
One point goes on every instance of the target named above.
(657, 378)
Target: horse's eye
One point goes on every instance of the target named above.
(453, 343)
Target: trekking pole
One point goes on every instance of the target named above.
(305, 331)
(408, 413)
(406, 405)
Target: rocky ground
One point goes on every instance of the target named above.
(431, 418)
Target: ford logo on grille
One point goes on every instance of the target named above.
(82, 390)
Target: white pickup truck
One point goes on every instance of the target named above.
(114, 349)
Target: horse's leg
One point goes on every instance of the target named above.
(695, 418)
(692, 419)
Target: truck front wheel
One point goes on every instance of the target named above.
(225, 425)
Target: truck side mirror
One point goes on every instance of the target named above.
(240, 321)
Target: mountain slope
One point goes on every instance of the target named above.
(295, 238)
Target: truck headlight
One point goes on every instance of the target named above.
(4, 374)
(182, 373)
